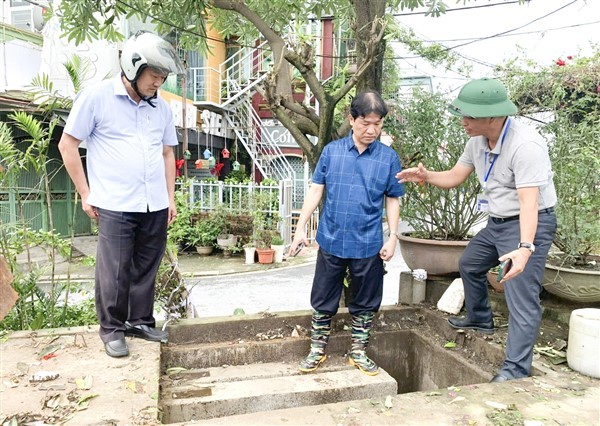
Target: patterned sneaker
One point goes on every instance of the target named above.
(312, 361)
(365, 364)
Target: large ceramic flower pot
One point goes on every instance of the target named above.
(204, 250)
(572, 284)
(437, 257)
(226, 240)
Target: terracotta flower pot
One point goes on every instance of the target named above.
(265, 256)
(492, 277)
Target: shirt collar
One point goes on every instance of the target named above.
(502, 138)
(119, 86)
(350, 144)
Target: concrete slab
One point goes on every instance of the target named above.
(539, 402)
(256, 390)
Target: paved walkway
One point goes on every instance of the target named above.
(222, 284)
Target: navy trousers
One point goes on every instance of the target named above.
(367, 283)
(130, 249)
(522, 292)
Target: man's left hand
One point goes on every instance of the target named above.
(519, 258)
(387, 251)
(172, 214)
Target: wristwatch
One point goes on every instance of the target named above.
(528, 246)
(394, 233)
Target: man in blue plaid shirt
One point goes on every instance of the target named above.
(357, 176)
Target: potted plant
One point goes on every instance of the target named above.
(249, 252)
(569, 89)
(442, 220)
(263, 246)
(204, 233)
(265, 224)
(278, 245)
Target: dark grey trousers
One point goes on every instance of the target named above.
(522, 292)
(130, 249)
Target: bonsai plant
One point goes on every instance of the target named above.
(427, 133)
(568, 92)
(265, 225)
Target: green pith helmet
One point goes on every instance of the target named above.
(485, 97)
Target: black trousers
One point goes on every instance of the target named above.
(366, 289)
(130, 249)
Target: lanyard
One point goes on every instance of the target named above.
(489, 170)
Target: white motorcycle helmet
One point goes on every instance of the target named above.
(145, 49)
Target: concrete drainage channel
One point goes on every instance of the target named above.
(226, 366)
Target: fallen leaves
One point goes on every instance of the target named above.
(49, 351)
(84, 383)
(556, 356)
(457, 399)
(135, 386)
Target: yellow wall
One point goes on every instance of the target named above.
(214, 58)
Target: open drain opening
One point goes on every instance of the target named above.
(227, 375)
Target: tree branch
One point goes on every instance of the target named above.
(370, 49)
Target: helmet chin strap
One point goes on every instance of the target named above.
(148, 99)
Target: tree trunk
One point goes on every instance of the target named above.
(366, 13)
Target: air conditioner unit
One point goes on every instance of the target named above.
(22, 18)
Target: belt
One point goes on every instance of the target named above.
(548, 210)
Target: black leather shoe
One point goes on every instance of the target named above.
(145, 332)
(484, 327)
(116, 348)
(498, 378)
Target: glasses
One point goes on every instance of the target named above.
(459, 111)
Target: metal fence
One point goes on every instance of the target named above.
(242, 197)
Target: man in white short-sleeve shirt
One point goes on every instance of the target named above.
(513, 167)
(130, 135)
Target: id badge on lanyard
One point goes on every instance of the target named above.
(482, 202)
(482, 199)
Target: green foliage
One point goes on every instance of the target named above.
(205, 230)
(49, 99)
(277, 240)
(35, 307)
(180, 230)
(264, 207)
(567, 93)
(83, 20)
(425, 132)
(237, 176)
